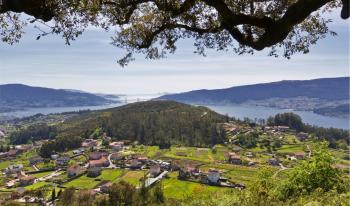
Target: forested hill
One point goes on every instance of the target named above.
(150, 123)
(326, 89)
(18, 96)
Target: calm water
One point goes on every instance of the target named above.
(237, 111)
(252, 112)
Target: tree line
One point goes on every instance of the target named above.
(333, 135)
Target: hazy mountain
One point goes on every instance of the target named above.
(296, 94)
(330, 88)
(18, 97)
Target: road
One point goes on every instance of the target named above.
(49, 176)
(111, 165)
(308, 147)
(35, 167)
(151, 181)
(280, 170)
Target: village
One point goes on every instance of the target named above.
(100, 162)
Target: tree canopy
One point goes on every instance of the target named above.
(152, 27)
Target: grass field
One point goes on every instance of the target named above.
(110, 174)
(83, 182)
(4, 165)
(36, 185)
(133, 177)
(41, 174)
(177, 189)
(291, 148)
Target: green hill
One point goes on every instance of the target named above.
(150, 123)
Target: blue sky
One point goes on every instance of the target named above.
(90, 64)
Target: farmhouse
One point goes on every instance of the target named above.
(299, 155)
(62, 161)
(135, 164)
(282, 128)
(102, 162)
(249, 154)
(74, 170)
(54, 156)
(302, 136)
(274, 162)
(105, 187)
(116, 146)
(188, 171)
(117, 157)
(26, 180)
(2, 133)
(36, 160)
(97, 155)
(93, 171)
(154, 170)
(89, 143)
(3, 154)
(143, 160)
(13, 152)
(213, 176)
(233, 158)
(13, 169)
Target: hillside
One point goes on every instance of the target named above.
(299, 95)
(18, 97)
(340, 110)
(150, 123)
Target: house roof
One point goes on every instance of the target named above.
(63, 158)
(73, 167)
(26, 178)
(99, 161)
(299, 153)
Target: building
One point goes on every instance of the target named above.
(299, 155)
(249, 154)
(74, 170)
(188, 171)
(116, 157)
(213, 176)
(2, 134)
(154, 170)
(54, 156)
(103, 162)
(302, 136)
(3, 154)
(89, 143)
(36, 160)
(135, 164)
(97, 155)
(234, 158)
(116, 146)
(282, 128)
(13, 169)
(26, 180)
(143, 160)
(93, 171)
(274, 162)
(13, 152)
(62, 161)
(105, 187)
(267, 128)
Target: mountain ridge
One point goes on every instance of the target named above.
(14, 97)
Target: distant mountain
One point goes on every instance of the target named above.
(337, 111)
(15, 97)
(296, 94)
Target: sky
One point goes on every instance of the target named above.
(90, 64)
